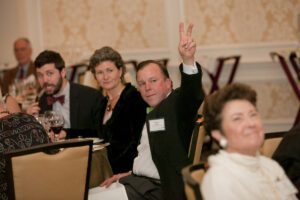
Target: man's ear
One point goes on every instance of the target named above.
(170, 83)
(63, 72)
(216, 135)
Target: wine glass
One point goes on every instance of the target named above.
(56, 122)
(43, 121)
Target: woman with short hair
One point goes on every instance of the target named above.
(123, 111)
(238, 171)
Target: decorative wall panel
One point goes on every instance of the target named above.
(276, 102)
(77, 27)
(243, 21)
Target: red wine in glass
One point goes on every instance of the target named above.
(56, 121)
(56, 129)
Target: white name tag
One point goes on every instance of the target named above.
(157, 125)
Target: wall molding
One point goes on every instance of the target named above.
(256, 63)
(251, 52)
(278, 125)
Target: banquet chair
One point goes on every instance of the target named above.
(192, 177)
(271, 143)
(197, 140)
(77, 71)
(292, 81)
(133, 63)
(164, 61)
(52, 171)
(294, 59)
(221, 62)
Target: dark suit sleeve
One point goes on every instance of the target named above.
(288, 155)
(97, 108)
(191, 96)
(84, 109)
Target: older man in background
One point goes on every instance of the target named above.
(24, 68)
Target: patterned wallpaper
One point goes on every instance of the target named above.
(243, 21)
(276, 100)
(76, 26)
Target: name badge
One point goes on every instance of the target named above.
(157, 125)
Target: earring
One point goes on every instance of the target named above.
(223, 142)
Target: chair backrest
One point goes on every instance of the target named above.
(221, 62)
(197, 141)
(134, 63)
(295, 61)
(271, 143)
(192, 178)
(53, 171)
(77, 71)
(164, 61)
(131, 63)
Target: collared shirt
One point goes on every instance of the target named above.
(65, 108)
(143, 164)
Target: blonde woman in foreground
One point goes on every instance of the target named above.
(239, 171)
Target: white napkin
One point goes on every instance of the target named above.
(115, 191)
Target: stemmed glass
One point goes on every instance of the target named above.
(43, 121)
(56, 122)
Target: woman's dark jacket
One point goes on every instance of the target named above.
(123, 129)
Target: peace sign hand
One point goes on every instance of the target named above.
(187, 45)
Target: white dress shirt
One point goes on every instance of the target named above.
(65, 108)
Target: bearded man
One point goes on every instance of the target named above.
(79, 105)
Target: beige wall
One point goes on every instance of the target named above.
(243, 21)
(76, 28)
(144, 29)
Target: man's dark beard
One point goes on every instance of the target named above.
(57, 87)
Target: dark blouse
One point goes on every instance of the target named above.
(18, 131)
(123, 129)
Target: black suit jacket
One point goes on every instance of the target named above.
(287, 155)
(84, 110)
(169, 147)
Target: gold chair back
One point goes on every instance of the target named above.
(271, 143)
(192, 178)
(197, 141)
(53, 171)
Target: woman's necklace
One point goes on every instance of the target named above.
(112, 102)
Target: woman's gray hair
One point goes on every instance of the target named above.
(107, 54)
